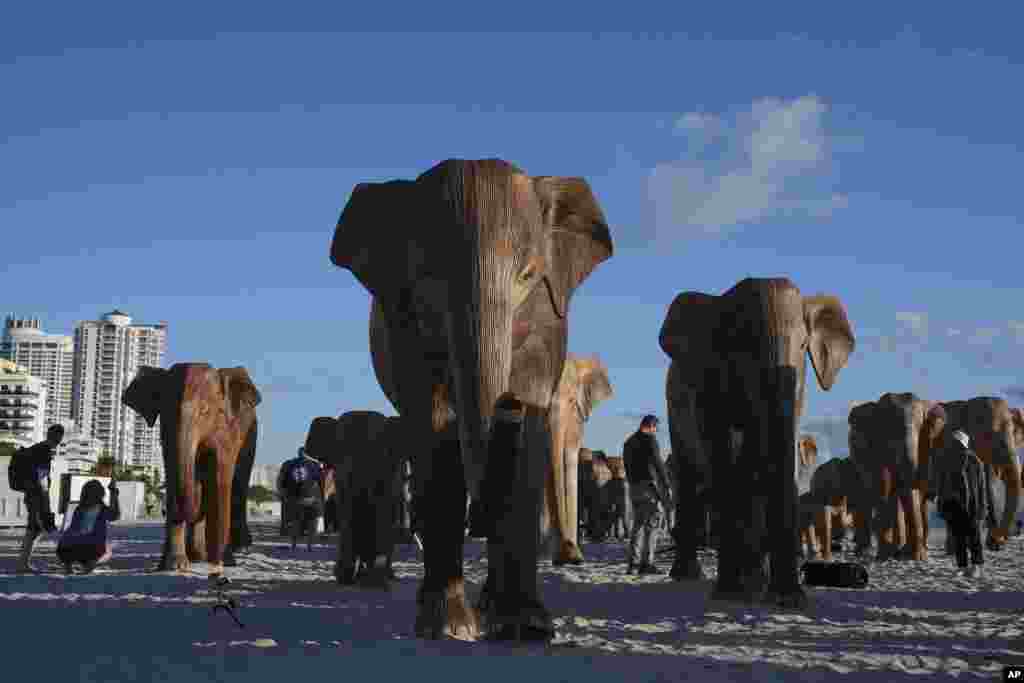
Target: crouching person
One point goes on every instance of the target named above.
(85, 539)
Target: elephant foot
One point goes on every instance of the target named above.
(446, 613)
(345, 576)
(376, 576)
(787, 598)
(568, 553)
(529, 622)
(735, 593)
(175, 562)
(687, 570)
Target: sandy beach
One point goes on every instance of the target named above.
(122, 623)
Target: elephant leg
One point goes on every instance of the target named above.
(731, 520)
(218, 517)
(345, 562)
(690, 513)
(569, 550)
(822, 547)
(379, 529)
(174, 557)
(888, 522)
(442, 606)
(196, 540)
(910, 503)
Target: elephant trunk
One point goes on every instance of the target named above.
(182, 505)
(1004, 456)
(481, 351)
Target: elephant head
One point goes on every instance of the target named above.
(807, 462)
(461, 249)
(206, 414)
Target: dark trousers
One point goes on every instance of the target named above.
(966, 533)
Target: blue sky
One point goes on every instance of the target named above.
(190, 166)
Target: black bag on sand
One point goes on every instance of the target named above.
(837, 574)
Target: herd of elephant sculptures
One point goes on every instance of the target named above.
(470, 269)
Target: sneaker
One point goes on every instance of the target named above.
(976, 572)
(961, 571)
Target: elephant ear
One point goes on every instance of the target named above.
(687, 333)
(238, 389)
(594, 387)
(860, 421)
(934, 422)
(830, 340)
(580, 239)
(145, 393)
(368, 239)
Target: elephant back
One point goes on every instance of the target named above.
(321, 439)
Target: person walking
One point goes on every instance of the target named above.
(964, 502)
(31, 474)
(300, 484)
(650, 492)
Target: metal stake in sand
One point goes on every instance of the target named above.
(224, 602)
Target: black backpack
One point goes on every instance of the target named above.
(19, 471)
(838, 574)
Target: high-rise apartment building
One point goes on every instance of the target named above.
(50, 357)
(22, 401)
(108, 353)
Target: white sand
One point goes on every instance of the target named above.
(912, 620)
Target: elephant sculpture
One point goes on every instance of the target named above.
(362, 447)
(826, 508)
(995, 432)
(208, 429)
(892, 442)
(735, 390)
(471, 267)
(604, 505)
(584, 384)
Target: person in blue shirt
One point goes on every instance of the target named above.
(37, 494)
(300, 485)
(84, 541)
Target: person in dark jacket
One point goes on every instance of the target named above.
(37, 495)
(964, 516)
(300, 482)
(85, 539)
(650, 491)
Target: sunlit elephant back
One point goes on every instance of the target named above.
(996, 431)
(893, 441)
(208, 431)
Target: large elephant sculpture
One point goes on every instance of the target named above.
(735, 391)
(208, 430)
(996, 430)
(584, 384)
(363, 449)
(892, 441)
(471, 267)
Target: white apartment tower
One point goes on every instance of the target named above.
(50, 357)
(108, 353)
(22, 401)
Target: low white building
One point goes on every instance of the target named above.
(12, 503)
(22, 405)
(81, 450)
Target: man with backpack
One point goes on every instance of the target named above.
(29, 472)
(964, 502)
(299, 484)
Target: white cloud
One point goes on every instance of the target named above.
(952, 332)
(1017, 329)
(769, 159)
(917, 322)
